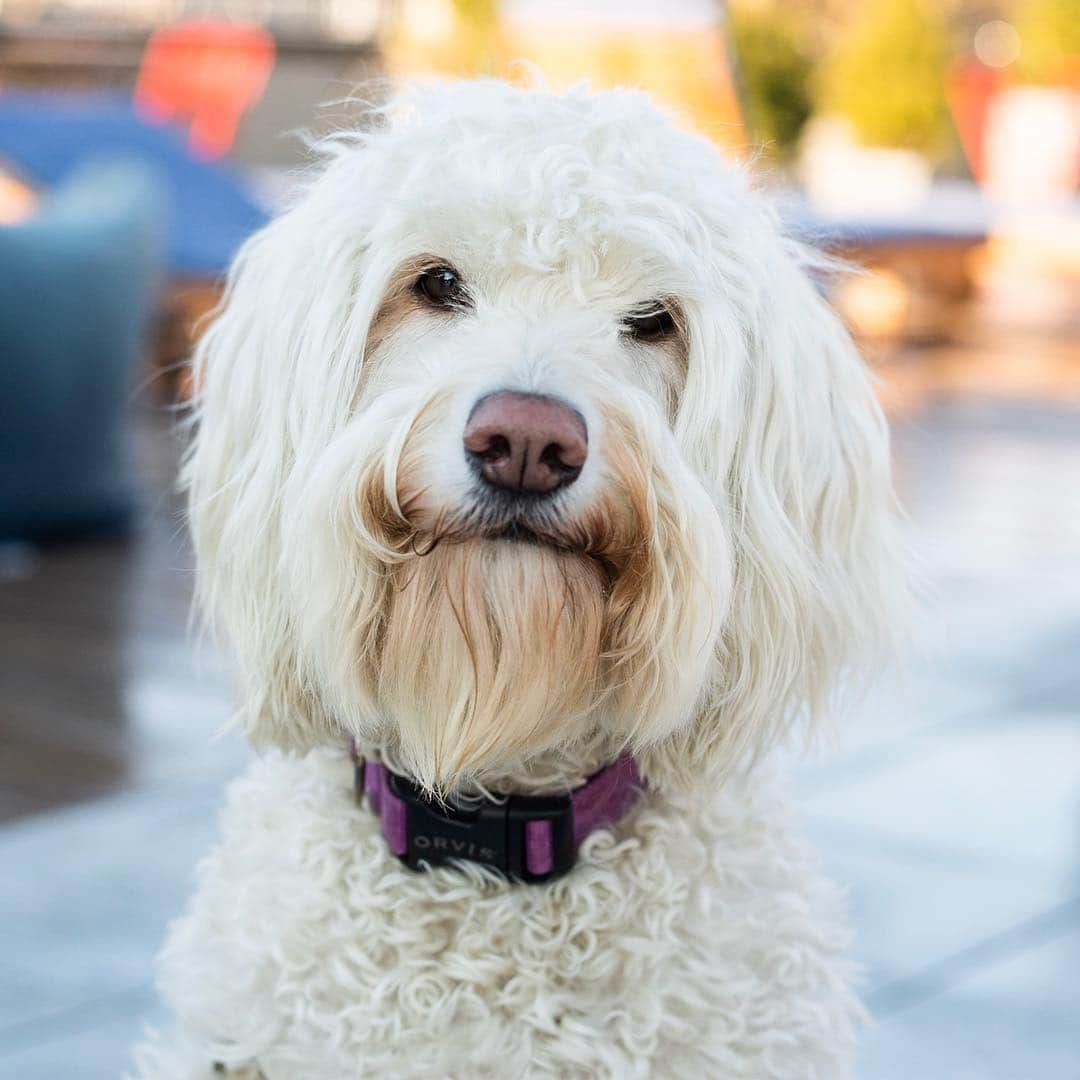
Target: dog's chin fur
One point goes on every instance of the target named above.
(483, 646)
(493, 650)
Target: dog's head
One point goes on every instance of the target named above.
(526, 430)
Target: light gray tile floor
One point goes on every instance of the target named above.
(950, 811)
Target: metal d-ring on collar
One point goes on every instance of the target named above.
(533, 838)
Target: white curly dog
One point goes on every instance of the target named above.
(538, 491)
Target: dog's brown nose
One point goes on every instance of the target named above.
(526, 443)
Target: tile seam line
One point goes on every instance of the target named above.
(1040, 929)
(854, 768)
(76, 1017)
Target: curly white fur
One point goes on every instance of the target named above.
(725, 560)
(697, 941)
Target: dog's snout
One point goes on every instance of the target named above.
(526, 443)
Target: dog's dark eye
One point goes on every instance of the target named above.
(650, 324)
(441, 287)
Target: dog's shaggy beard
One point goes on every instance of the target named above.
(491, 648)
(462, 654)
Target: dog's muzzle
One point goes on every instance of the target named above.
(531, 838)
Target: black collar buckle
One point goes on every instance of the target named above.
(493, 834)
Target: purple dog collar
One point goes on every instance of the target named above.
(531, 837)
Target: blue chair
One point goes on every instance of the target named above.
(78, 283)
(210, 212)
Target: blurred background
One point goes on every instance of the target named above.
(935, 144)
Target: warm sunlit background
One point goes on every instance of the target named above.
(935, 144)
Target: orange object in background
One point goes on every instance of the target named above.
(207, 75)
(970, 90)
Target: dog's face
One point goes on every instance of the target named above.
(524, 431)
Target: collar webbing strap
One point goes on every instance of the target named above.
(532, 837)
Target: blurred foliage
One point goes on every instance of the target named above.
(1049, 40)
(771, 51)
(886, 75)
(481, 13)
(682, 67)
(478, 28)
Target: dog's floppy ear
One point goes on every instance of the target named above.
(780, 410)
(275, 376)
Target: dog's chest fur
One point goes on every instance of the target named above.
(696, 941)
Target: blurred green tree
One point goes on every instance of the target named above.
(479, 25)
(886, 76)
(771, 57)
(1049, 40)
